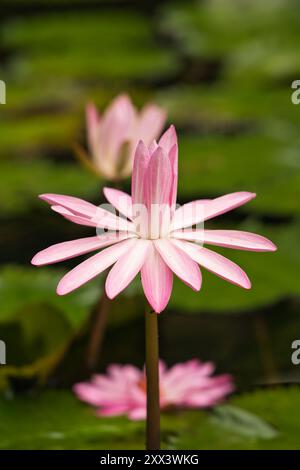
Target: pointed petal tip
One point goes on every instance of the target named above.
(111, 295)
(123, 98)
(47, 197)
(157, 309)
(35, 261)
(246, 283)
(60, 290)
(271, 246)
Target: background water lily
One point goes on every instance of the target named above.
(112, 136)
(122, 390)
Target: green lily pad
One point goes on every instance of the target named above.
(38, 326)
(105, 46)
(23, 182)
(239, 421)
(215, 165)
(21, 287)
(32, 135)
(252, 40)
(227, 107)
(276, 410)
(68, 424)
(57, 420)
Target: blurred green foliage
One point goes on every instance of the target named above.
(56, 420)
(223, 70)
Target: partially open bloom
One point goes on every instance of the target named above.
(152, 237)
(123, 389)
(112, 137)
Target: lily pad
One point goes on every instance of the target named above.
(56, 420)
(253, 40)
(274, 409)
(105, 46)
(24, 181)
(214, 165)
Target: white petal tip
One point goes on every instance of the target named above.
(110, 294)
(60, 290)
(246, 284)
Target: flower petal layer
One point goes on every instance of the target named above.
(215, 263)
(157, 280)
(180, 263)
(140, 165)
(126, 268)
(235, 239)
(93, 266)
(120, 200)
(70, 249)
(199, 211)
(157, 188)
(74, 204)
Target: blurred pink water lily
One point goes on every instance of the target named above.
(112, 137)
(151, 236)
(185, 385)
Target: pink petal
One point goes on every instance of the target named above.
(117, 126)
(189, 214)
(168, 139)
(198, 211)
(113, 410)
(76, 219)
(126, 268)
(101, 219)
(157, 192)
(93, 266)
(120, 200)
(168, 142)
(152, 147)
(137, 414)
(226, 203)
(88, 392)
(215, 263)
(228, 238)
(157, 280)
(180, 263)
(67, 250)
(140, 165)
(150, 123)
(74, 204)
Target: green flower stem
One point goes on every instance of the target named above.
(152, 377)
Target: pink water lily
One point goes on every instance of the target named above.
(112, 137)
(185, 385)
(150, 235)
